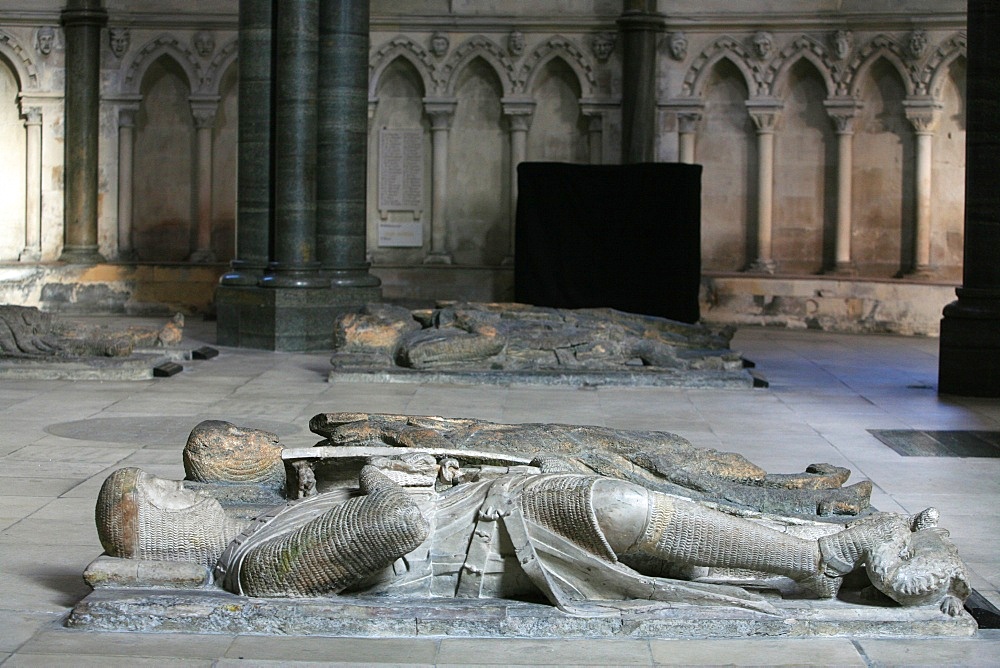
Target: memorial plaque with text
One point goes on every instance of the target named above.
(401, 171)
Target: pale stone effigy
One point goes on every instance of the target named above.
(428, 518)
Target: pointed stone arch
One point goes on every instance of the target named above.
(886, 47)
(478, 47)
(564, 49)
(212, 77)
(937, 67)
(803, 48)
(171, 47)
(24, 69)
(407, 49)
(724, 48)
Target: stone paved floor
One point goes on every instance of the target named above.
(59, 440)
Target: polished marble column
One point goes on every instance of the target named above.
(253, 177)
(970, 330)
(342, 158)
(294, 262)
(82, 21)
(640, 27)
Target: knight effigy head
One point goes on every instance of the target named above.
(220, 452)
(141, 516)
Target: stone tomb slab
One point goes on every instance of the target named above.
(216, 611)
(138, 366)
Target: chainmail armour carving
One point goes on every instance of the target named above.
(350, 542)
(138, 520)
(688, 534)
(221, 452)
(563, 504)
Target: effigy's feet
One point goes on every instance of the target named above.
(844, 551)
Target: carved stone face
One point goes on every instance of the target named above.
(439, 44)
(46, 38)
(603, 45)
(917, 44)
(204, 43)
(119, 39)
(842, 42)
(763, 44)
(678, 46)
(515, 42)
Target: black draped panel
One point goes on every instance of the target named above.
(619, 236)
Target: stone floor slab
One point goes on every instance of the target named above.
(758, 652)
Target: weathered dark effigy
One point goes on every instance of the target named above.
(399, 525)
(36, 344)
(517, 343)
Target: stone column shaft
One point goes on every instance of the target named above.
(342, 169)
(294, 261)
(204, 122)
(82, 22)
(595, 139)
(253, 178)
(970, 331)
(32, 186)
(687, 128)
(924, 114)
(126, 174)
(640, 26)
(440, 113)
(843, 112)
(519, 114)
(765, 118)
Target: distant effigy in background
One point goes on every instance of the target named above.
(506, 340)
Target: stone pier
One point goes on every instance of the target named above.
(970, 330)
(301, 220)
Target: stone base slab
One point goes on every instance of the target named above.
(134, 367)
(687, 379)
(175, 611)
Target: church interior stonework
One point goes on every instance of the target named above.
(203, 200)
(832, 139)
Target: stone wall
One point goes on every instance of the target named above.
(861, 103)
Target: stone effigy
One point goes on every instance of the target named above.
(506, 339)
(28, 333)
(429, 515)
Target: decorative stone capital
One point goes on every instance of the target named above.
(126, 117)
(843, 112)
(687, 121)
(518, 112)
(765, 114)
(32, 116)
(204, 111)
(923, 114)
(440, 111)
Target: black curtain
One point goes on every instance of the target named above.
(621, 236)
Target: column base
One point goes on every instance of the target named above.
(969, 363)
(845, 269)
(921, 273)
(243, 273)
(762, 267)
(204, 256)
(29, 255)
(351, 278)
(284, 319)
(81, 255)
(295, 277)
(438, 258)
